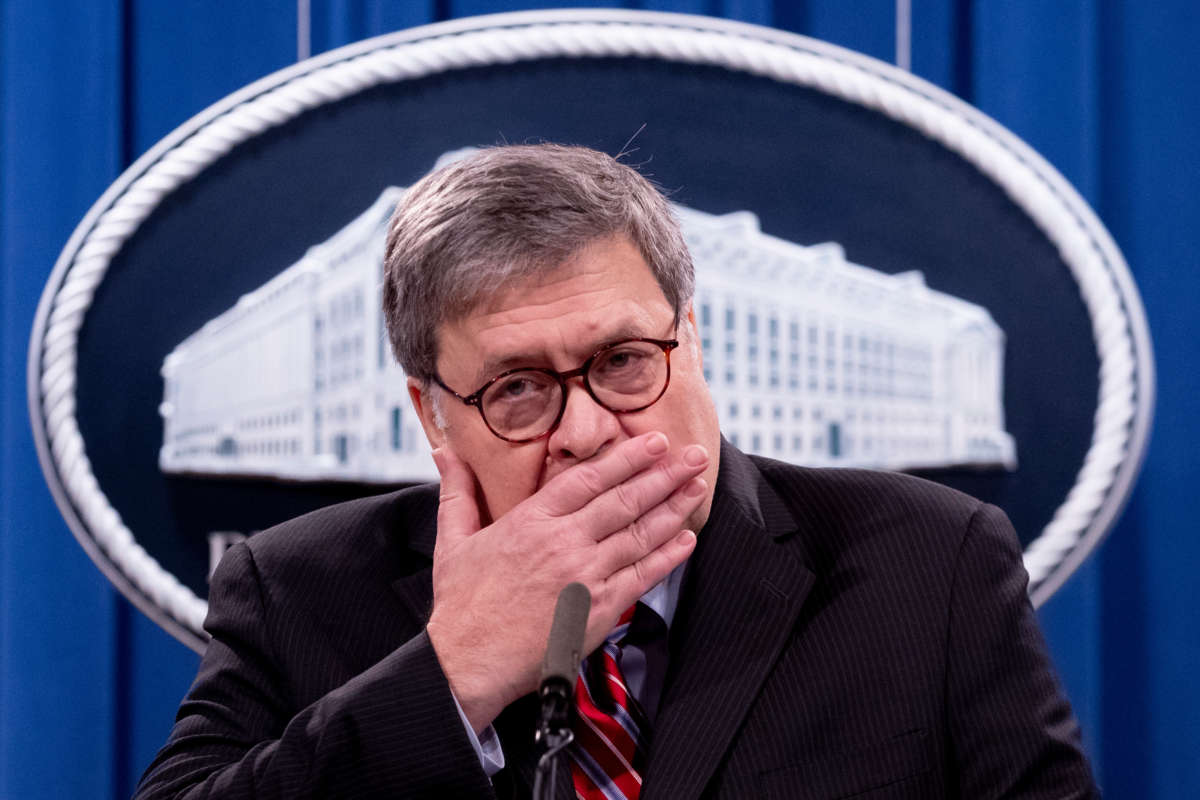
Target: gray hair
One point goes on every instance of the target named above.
(507, 213)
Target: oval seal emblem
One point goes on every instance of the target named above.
(886, 277)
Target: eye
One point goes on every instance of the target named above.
(621, 359)
(514, 388)
(520, 387)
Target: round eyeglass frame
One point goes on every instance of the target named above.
(476, 397)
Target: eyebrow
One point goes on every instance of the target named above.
(502, 363)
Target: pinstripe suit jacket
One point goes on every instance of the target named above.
(840, 633)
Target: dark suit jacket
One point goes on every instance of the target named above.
(840, 633)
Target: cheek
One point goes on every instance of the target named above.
(509, 476)
(690, 415)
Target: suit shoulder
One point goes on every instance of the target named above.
(858, 503)
(355, 530)
(861, 484)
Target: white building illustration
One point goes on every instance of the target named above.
(818, 361)
(811, 359)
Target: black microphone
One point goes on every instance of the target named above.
(564, 648)
(565, 645)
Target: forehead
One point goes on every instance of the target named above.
(604, 292)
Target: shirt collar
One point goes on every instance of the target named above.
(663, 599)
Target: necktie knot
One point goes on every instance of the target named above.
(617, 636)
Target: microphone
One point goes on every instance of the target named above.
(564, 648)
(565, 645)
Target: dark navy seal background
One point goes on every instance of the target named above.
(895, 200)
(88, 686)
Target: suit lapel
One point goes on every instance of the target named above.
(415, 589)
(744, 588)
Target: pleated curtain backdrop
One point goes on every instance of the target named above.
(1104, 89)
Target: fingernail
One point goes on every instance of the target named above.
(686, 538)
(695, 455)
(697, 487)
(656, 445)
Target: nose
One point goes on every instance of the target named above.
(586, 428)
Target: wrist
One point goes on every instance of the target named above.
(473, 685)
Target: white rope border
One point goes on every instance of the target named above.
(667, 37)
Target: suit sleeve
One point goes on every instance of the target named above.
(1011, 728)
(392, 731)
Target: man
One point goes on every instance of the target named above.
(759, 630)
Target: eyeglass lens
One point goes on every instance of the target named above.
(624, 377)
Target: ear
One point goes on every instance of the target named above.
(422, 401)
(691, 318)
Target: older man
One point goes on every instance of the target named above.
(759, 630)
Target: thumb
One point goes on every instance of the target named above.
(458, 512)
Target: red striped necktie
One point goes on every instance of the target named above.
(609, 750)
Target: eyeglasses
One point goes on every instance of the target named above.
(527, 403)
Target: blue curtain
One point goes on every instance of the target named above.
(1105, 89)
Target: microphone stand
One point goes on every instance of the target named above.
(560, 668)
(553, 734)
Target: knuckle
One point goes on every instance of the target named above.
(626, 498)
(639, 534)
(663, 467)
(670, 473)
(679, 504)
(589, 478)
(601, 594)
(578, 564)
(639, 572)
(631, 456)
(537, 508)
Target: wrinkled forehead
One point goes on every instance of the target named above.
(491, 286)
(603, 293)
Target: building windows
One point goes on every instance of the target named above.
(816, 346)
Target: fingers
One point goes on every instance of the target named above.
(642, 494)
(633, 581)
(577, 487)
(458, 512)
(652, 530)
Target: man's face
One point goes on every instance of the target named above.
(604, 293)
